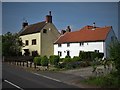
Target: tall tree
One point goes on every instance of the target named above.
(11, 44)
(115, 55)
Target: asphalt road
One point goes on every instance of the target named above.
(21, 79)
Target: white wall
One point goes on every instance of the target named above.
(31, 47)
(75, 48)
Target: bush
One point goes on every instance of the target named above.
(44, 61)
(104, 81)
(76, 58)
(61, 65)
(90, 55)
(85, 63)
(37, 60)
(54, 60)
(67, 59)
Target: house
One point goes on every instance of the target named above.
(87, 39)
(38, 38)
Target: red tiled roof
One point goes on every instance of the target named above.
(85, 34)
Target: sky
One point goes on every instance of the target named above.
(75, 14)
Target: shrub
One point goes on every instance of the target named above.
(85, 63)
(44, 61)
(76, 58)
(67, 59)
(82, 55)
(37, 60)
(61, 65)
(54, 59)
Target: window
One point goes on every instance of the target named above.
(97, 51)
(44, 31)
(81, 43)
(26, 42)
(59, 53)
(68, 44)
(112, 38)
(68, 53)
(59, 45)
(34, 42)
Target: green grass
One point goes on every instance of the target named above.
(109, 80)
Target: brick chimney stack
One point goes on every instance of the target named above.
(68, 29)
(24, 24)
(49, 18)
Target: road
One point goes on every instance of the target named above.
(21, 79)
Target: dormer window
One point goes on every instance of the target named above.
(68, 44)
(59, 45)
(81, 43)
(44, 30)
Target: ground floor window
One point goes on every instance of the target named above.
(59, 53)
(68, 53)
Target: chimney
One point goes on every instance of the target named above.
(68, 29)
(24, 24)
(49, 18)
(62, 32)
(94, 26)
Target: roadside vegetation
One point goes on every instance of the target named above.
(112, 79)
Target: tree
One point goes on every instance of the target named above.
(115, 56)
(11, 44)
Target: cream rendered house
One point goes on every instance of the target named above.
(39, 37)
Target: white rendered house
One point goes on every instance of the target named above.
(89, 38)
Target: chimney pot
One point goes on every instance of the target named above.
(68, 29)
(49, 18)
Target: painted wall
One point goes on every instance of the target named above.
(108, 42)
(75, 48)
(47, 39)
(31, 47)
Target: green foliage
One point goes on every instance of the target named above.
(67, 59)
(94, 55)
(54, 59)
(109, 80)
(82, 55)
(76, 58)
(44, 61)
(89, 55)
(11, 44)
(115, 56)
(37, 60)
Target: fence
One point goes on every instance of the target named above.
(20, 60)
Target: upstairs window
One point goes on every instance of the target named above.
(44, 30)
(59, 45)
(112, 38)
(81, 44)
(26, 42)
(34, 42)
(68, 44)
